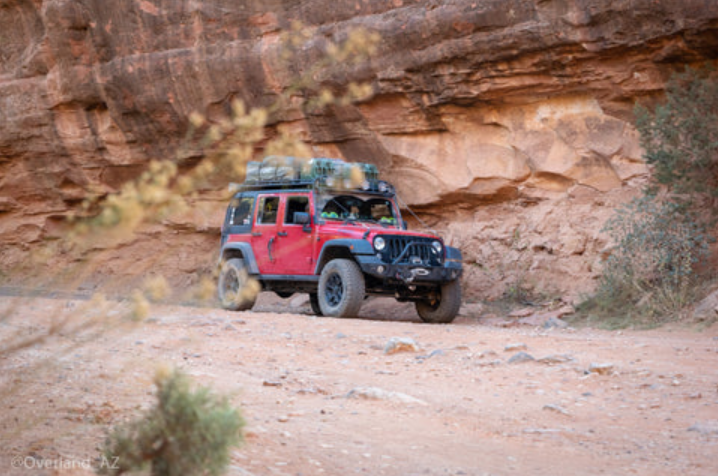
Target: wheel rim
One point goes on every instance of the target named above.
(434, 303)
(231, 285)
(334, 290)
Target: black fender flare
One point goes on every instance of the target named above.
(453, 254)
(353, 246)
(246, 249)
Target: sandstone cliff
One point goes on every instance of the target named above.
(505, 123)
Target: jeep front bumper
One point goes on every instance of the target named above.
(409, 273)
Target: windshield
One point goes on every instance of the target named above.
(360, 208)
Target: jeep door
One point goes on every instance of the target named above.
(264, 233)
(294, 240)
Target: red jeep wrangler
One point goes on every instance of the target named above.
(310, 229)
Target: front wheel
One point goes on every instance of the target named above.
(341, 289)
(234, 288)
(443, 307)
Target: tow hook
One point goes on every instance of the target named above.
(410, 275)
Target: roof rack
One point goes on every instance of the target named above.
(279, 172)
(274, 184)
(372, 187)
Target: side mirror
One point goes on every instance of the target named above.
(404, 225)
(301, 218)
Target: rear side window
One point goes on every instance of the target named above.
(242, 211)
(268, 208)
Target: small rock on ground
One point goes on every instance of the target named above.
(709, 427)
(601, 369)
(515, 346)
(521, 357)
(400, 344)
(374, 393)
(556, 359)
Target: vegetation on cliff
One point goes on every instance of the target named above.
(657, 268)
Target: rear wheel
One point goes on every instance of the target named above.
(314, 302)
(443, 307)
(341, 289)
(232, 288)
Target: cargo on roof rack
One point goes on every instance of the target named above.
(277, 169)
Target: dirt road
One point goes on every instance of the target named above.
(323, 396)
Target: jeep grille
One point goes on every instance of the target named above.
(409, 250)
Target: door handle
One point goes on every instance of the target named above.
(256, 233)
(269, 249)
(282, 233)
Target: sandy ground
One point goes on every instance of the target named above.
(322, 396)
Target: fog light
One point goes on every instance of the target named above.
(380, 269)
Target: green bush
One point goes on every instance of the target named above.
(661, 237)
(680, 139)
(650, 275)
(188, 432)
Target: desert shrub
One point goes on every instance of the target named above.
(650, 275)
(187, 432)
(680, 139)
(661, 236)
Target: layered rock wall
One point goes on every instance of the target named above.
(495, 118)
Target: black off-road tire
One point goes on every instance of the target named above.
(233, 279)
(314, 302)
(444, 307)
(341, 289)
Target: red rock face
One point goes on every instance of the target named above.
(478, 104)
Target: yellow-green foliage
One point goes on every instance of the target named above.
(169, 187)
(225, 146)
(187, 432)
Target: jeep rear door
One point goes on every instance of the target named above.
(294, 240)
(281, 246)
(264, 233)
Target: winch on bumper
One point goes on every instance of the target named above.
(410, 272)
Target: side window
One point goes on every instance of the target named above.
(268, 207)
(295, 204)
(242, 212)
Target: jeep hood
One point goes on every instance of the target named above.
(360, 231)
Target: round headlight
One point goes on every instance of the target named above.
(379, 243)
(437, 246)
